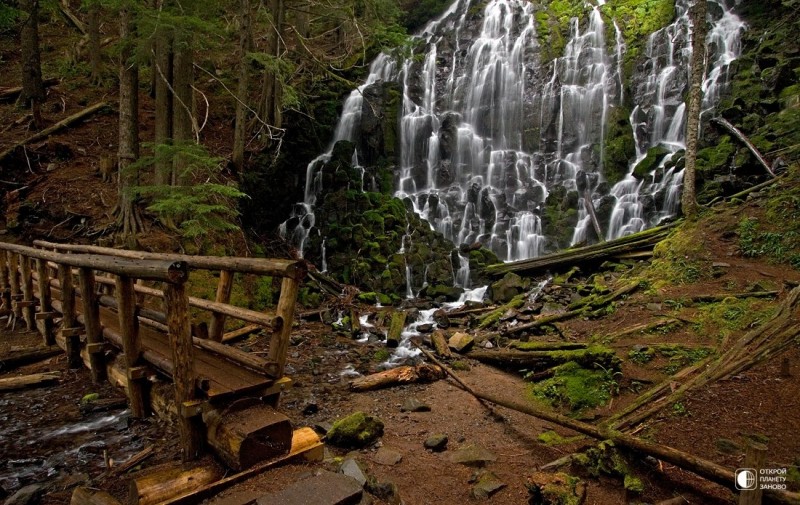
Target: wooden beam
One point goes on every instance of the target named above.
(171, 480)
(45, 302)
(27, 356)
(223, 296)
(5, 286)
(183, 375)
(131, 345)
(28, 381)
(263, 266)
(279, 345)
(68, 320)
(91, 320)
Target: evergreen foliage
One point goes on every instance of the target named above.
(198, 209)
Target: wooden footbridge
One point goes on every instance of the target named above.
(127, 315)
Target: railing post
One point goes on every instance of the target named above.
(45, 314)
(28, 302)
(279, 345)
(5, 287)
(224, 288)
(131, 345)
(13, 275)
(176, 301)
(69, 324)
(91, 317)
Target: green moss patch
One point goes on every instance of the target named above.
(356, 430)
(576, 388)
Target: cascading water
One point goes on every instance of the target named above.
(659, 118)
(487, 132)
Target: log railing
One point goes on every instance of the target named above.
(39, 286)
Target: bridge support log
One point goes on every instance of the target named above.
(170, 481)
(28, 302)
(13, 277)
(45, 303)
(131, 346)
(91, 321)
(69, 323)
(246, 436)
(223, 296)
(183, 376)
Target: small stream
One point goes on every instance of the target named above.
(42, 440)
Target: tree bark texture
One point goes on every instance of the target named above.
(688, 197)
(33, 92)
(128, 149)
(240, 128)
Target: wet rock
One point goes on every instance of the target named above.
(356, 430)
(460, 342)
(655, 307)
(425, 327)
(353, 469)
(27, 495)
(441, 319)
(506, 288)
(472, 455)
(436, 442)
(487, 484)
(386, 456)
(414, 405)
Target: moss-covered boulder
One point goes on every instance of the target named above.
(655, 155)
(555, 489)
(510, 286)
(355, 431)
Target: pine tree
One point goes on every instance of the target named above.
(688, 197)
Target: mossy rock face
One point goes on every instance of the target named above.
(559, 217)
(650, 162)
(355, 431)
(620, 149)
(510, 286)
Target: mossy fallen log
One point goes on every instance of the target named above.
(588, 357)
(643, 240)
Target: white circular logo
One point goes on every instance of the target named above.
(746, 479)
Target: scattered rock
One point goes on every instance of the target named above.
(388, 457)
(472, 455)
(352, 468)
(441, 319)
(414, 405)
(356, 430)
(460, 342)
(487, 484)
(654, 307)
(386, 491)
(425, 327)
(27, 495)
(555, 489)
(436, 442)
(323, 488)
(720, 264)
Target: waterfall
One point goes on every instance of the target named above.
(659, 117)
(487, 131)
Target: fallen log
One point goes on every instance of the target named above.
(587, 304)
(133, 460)
(589, 205)
(171, 480)
(71, 17)
(544, 359)
(86, 496)
(28, 381)
(33, 355)
(306, 444)
(93, 109)
(240, 333)
(744, 140)
(326, 283)
(12, 93)
(399, 375)
(244, 437)
(646, 239)
(546, 346)
(722, 296)
(704, 468)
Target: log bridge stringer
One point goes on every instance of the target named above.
(136, 303)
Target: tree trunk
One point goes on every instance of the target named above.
(164, 111)
(240, 130)
(95, 62)
(271, 90)
(688, 197)
(128, 150)
(33, 93)
(182, 80)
